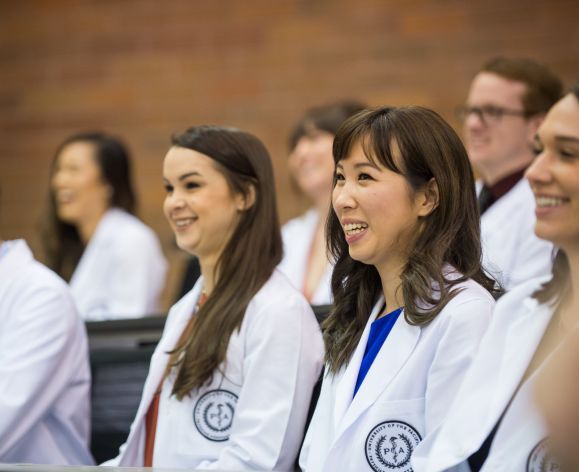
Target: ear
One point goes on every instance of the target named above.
(428, 198)
(245, 201)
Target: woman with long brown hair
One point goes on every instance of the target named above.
(92, 238)
(495, 422)
(411, 301)
(231, 379)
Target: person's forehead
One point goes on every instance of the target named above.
(490, 88)
(563, 118)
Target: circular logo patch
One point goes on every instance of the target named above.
(213, 414)
(389, 446)
(541, 460)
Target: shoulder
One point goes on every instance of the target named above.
(472, 303)
(126, 225)
(39, 296)
(279, 299)
(125, 234)
(297, 225)
(520, 297)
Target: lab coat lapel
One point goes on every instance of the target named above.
(389, 361)
(521, 341)
(346, 383)
(168, 343)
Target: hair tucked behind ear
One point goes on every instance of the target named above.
(248, 260)
(449, 237)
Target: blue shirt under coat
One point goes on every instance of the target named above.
(379, 331)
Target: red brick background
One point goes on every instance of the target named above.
(145, 69)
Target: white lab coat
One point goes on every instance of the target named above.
(298, 235)
(512, 253)
(252, 416)
(518, 325)
(122, 271)
(44, 368)
(405, 395)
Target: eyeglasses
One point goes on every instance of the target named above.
(488, 114)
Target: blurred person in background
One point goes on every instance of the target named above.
(506, 103)
(495, 423)
(231, 380)
(44, 366)
(114, 262)
(311, 167)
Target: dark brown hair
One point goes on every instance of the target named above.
(327, 118)
(62, 244)
(558, 286)
(543, 88)
(248, 260)
(450, 234)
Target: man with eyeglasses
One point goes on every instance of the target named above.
(506, 103)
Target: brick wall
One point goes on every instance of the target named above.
(145, 69)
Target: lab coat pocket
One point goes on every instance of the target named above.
(394, 430)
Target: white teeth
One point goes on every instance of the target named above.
(545, 202)
(355, 228)
(183, 222)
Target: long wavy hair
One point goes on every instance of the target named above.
(449, 235)
(248, 259)
(554, 290)
(63, 247)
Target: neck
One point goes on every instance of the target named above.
(571, 312)
(208, 271)
(87, 227)
(390, 278)
(491, 176)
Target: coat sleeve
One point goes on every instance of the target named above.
(34, 363)
(283, 359)
(460, 336)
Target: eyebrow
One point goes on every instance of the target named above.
(567, 139)
(360, 165)
(184, 176)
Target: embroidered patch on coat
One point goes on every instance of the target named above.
(213, 414)
(541, 460)
(389, 446)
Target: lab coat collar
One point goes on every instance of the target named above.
(389, 361)
(521, 342)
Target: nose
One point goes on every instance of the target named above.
(539, 171)
(300, 151)
(59, 179)
(343, 197)
(174, 201)
(473, 120)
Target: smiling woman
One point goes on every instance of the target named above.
(495, 423)
(114, 262)
(411, 299)
(231, 379)
(311, 167)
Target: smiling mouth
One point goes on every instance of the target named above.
(550, 202)
(64, 197)
(183, 222)
(354, 228)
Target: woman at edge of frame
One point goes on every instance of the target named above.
(495, 422)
